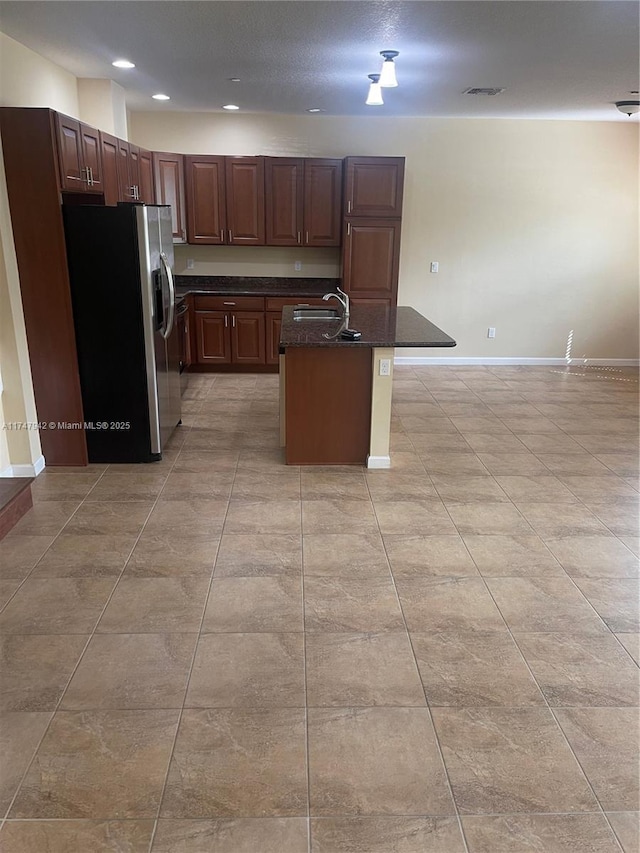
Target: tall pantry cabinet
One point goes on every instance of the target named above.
(372, 205)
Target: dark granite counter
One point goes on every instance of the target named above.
(380, 327)
(254, 285)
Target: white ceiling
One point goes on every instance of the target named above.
(556, 58)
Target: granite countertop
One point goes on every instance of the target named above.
(380, 327)
(254, 285)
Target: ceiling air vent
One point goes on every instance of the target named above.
(490, 90)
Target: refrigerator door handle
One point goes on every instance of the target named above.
(172, 297)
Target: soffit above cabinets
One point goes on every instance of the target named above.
(569, 59)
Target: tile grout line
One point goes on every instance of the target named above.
(190, 670)
(417, 671)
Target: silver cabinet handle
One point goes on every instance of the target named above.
(233, 320)
(222, 235)
(228, 303)
(137, 192)
(349, 206)
(226, 320)
(230, 236)
(348, 228)
(307, 238)
(172, 296)
(298, 236)
(133, 191)
(84, 170)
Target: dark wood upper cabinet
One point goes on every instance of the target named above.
(373, 186)
(206, 199)
(145, 172)
(284, 208)
(245, 200)
(303, 201)
(134, 170)
(168, 171)
(79, 156)
(370, 258)
(125, 184)
(322, 195)
(109, 152)
(90, 139)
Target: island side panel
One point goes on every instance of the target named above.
(328, 405)
(379, 454)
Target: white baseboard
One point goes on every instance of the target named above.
(378, 462)
(549, 362)
(24, 470)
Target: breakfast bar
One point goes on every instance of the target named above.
(335, 391)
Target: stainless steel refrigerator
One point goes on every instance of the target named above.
(122, 289)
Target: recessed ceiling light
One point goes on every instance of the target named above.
(234, 79)
(123, 63)
(230, 107)
(315, 110)
(161, 97)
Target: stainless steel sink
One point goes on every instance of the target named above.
(316, 314)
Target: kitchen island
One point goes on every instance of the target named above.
(335, 394)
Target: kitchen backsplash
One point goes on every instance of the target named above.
(258, 261)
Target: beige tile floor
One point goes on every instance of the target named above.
(220, 654)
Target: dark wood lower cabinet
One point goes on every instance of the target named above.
(230, 338)
(213, 338)
(274, 323)
(247, 337)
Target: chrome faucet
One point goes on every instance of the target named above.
(342, 298)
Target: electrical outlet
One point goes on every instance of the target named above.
(491, 332)
(385, 367)
(190, 263)
(435, 266)
(297, 265)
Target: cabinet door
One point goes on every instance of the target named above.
(274, 324)
(145, 168)
(284, 193)
(205, 184)
(168, 170)
(247, 337)
(245, 200)
(370, 258)
(125, 184)
(72, 175)
(213, 343)
(373, 186)
(91, 159)
(134, 170)
(322, 194)
(109, 152)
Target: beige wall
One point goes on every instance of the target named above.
(534, 223)
(29, 80)
(102, 105)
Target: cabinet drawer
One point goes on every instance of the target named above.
(229, 303)
(277, 303)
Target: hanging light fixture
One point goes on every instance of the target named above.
(374, 98)
(388, 73)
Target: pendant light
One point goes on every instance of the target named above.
(388, 73)
(374, 98)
